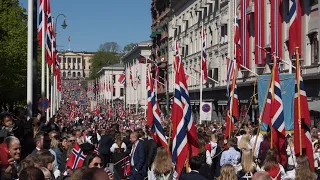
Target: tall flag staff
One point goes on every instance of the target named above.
(302, 122)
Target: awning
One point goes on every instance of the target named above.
(314, 105)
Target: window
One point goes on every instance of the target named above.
(69, 60)
(74, 67)
(113, 91)
(187, 49)
(224, 33)
(64, 60)
(113, 79)
(314, 48)
(89, 67)
(79, 74)
(187, 25)
(74, 60)
(79, 60)
(64, 74)
(74, 74)
(78, 66)
(121, 92)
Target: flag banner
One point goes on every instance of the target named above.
(287, 83)
(205, 111)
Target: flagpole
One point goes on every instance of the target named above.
(43, 56)
(51, 100)
(299, 100)
(136, 90)
(48, 90)
(232, 94)
(201, 72)
(30, 60)
(272, 98)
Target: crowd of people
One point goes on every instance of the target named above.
(95, 146)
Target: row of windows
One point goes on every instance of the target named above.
(73, 60)
(73, 74)
(63, 66)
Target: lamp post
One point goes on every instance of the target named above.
(63, 25)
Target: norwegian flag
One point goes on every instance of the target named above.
(204, 55)
(184, 134)
(125, 167)
(237, 40)
(295, 12)
(259, 31)
(138, 76)
(244, 23)
(122, 78)
(131, 79)
(154, 119)
(273, 114)
(230, 72)
(233, 107)
(49, 30)
(42, 20)
(301, 115)
(276, 27)
(77, 157)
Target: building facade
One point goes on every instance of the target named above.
(75, 65)
(186, 19)
(136, 68)
(110, 88)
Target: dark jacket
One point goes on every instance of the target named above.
(105, 144)
(139, 159)
(192, 176)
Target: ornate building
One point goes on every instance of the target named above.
(75, 65)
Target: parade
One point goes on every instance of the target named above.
(220, 90)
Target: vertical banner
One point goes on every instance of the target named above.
(205, 111)
(287, 83)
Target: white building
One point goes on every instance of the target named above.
(109, 87)
(136, 95)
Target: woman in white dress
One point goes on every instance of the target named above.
(162, 167)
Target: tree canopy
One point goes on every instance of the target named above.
(110, 47)
(128, 47)
(100, 59)
(13, 52)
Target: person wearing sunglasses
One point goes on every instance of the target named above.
(93, 160)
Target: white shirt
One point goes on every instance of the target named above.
(134, 146)
(253, 139)
(115, 146)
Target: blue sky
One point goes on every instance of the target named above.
(93, 22)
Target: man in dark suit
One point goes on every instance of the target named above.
(150, 147)
(104, 148)
(138, 159)
(195, 165)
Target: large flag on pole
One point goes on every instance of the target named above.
(154, 120)
(259, 26)
(244, 30)
(42, 19)
(295, 12)
(49, 30)
(204, 55)
(184, 133)
(302, 122)
(233, 105)
(274, 116)
(237, 43)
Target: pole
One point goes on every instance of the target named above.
(272, 90)
(48, 91)
(51, 101)
(30, 61)
(299, 99)
(43, 56)
(54, 95)
(201, 73)
(136, 90)
(232, 94)
(35, 97)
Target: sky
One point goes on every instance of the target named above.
(93, 22)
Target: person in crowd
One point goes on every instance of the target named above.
(303, 170)
(213, 144)
(162, 168)
(104, 147)
(47, 174)
(151, 149)
(32, 173)
(10, 153)
(271, 165)
(291, 156)
(93, 160)
(227, 172)
(29, 161)
(118, 148)
(46, 160)
(38, 140)
(138, 159)
(264, 147)
(261, 176)
(248, 167)
(245, 142)
(256, 140)
(206, 159)
(231, 156)
(7, 124)
(215, 167)
(195, 165)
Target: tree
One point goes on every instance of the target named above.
(110, 47)
(101, 59)
(129, 47)
(13, 52)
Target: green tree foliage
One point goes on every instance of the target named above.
(13, 52)
(128, 47)
(100, 59)
(110, 47)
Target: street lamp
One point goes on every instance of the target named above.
(64, 24)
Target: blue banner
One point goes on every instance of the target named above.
(287, 83)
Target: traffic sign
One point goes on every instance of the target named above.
(43, 103)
